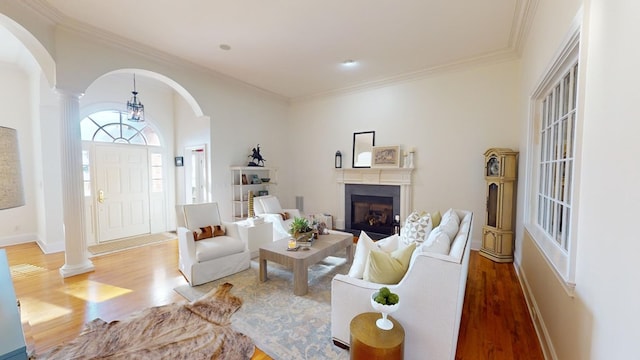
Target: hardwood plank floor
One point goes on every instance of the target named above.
(495, 320)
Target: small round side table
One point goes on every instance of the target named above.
(370, 342)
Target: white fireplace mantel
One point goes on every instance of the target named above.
(376, 176)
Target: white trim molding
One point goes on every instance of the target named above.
(367, 176)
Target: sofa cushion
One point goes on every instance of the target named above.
(450, 223)
(437, 242)
(416, 228)
(364, 246)
(388, 268)
(218, 247)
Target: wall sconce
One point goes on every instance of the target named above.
(338, 159)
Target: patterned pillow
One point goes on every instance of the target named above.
(416, 228)
(203, 233)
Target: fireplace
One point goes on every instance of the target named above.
(371, 208)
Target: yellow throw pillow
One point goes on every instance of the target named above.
(388, 268)
(436, 217)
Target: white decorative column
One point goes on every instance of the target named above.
(76, 259)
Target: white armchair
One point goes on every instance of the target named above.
(206, 260)
(268, 207)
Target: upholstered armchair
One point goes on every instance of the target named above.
(210, 258)
(268, 207)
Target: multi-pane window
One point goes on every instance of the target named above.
(557, 153)
(113, 126)
(156, 173)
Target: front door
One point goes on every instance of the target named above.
(122, 191)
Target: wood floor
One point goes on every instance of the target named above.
(495, 320)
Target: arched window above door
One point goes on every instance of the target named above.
(112, 126)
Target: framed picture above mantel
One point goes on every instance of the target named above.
(385, 157)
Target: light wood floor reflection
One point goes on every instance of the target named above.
(495, 320)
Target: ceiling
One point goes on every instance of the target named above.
(295, 48)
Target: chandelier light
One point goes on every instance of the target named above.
(135, 107)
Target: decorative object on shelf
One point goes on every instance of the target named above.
(11, 190)
(265, 180)
(363, 143)
(179, 161)
(408, 161)
(338, 160)
(385, 157)
(386, 303)
(500, 176)
(135, 107)
(250, 212)
(256, 158)
(244, 179)
(263, 192)
(255, 179)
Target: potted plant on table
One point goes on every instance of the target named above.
(300, 229)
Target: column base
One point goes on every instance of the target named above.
(68, 271)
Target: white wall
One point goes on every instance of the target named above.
(601, 320)
(449, 118)
(19, 224)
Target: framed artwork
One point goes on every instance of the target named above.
(363, 142)
(385, 157)
(263, 192)
(179, 161)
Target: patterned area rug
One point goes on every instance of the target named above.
(281, 324)
(118, 245)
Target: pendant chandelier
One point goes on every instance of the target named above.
(135, 107)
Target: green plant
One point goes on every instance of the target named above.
(299, 225)
(386, 297)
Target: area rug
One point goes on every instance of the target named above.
(124, 244)
(281, 324)
(197, 330)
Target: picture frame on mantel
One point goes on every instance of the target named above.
(385, 157)
(363, 143)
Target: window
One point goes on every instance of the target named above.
(553, 137)
(113, 126)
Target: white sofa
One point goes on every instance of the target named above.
(431, 299)
(209, 259)
(268, 207)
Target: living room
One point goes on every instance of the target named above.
(450, 117)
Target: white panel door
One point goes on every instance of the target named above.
(122, 191)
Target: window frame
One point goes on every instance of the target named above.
(561, 259)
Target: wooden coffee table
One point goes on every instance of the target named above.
(300, 260)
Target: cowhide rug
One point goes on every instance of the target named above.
(196, 330)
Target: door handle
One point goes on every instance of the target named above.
(100, 196)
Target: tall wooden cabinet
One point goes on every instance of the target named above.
(242, 182)
(501, 167)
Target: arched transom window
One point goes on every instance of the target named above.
(112, 126)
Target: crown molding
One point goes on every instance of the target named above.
(490, 58)
(522, 20)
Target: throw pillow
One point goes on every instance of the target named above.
(388, 268)
(218, 230)
(437, 242)
(285, 215)
(364, 246)
(203, 233)
(450, 223)
(416, 228)
(436, 218)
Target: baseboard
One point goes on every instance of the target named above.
(18, 239)
(538, 323)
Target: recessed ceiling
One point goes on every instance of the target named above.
(296, 48)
